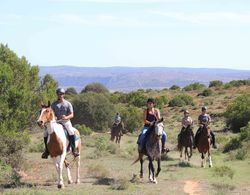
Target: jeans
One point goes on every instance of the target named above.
(143, 134)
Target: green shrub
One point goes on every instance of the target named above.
(95, 87)
(131, 117)
(136, 98)
(181, 100)
(238, 113)
(194, 86)
(207, 92)
(83, 129)
(223, 171)
(101, 143)
(175, 87)
(94, 110)
(161, 101)
(216, 83)
(233, 144)
(120, 184)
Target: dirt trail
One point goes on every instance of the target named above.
(192, 187)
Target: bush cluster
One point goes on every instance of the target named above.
(181, 100)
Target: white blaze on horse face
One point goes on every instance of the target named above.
(41, 115)
(159, 129)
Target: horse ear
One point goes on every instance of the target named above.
(42, 104)
(160, 120)
(48, 103)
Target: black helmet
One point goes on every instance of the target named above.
(151, 100)
(203, 108)
(60, 90)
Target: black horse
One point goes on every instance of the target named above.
(185, 140)
(152, 150)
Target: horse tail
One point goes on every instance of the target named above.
(136, 160)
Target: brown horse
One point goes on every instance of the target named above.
(204, 145)
(186, 141)
(57, 144)
(116, 132)
(152, 150)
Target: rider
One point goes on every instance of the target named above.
(204, 119)
(64, 112)
(150, 115)
(186, 121)
(117, 121)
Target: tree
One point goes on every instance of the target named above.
(238, 113)
(175, 87)
(19, 97)
(94, 110)
(71, 91)
(95, 87)
(48, 88)
(216, 83)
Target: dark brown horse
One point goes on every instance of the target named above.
(204, 145)
(186, 141)
(152, 150)
(116, 132)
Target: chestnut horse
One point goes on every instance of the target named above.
(58, 143)
(186, 141)
(204, 145)
(152, 150)
(116, 132)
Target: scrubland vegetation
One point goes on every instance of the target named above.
(105, 167)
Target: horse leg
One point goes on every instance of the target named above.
(159, 167)
(152, 176)
(181, 150)
(202, 160)
(190, 153)
(141, 171)
(186, 152)
(66, 163)
(77, 170)
(210, 159)
(60, 161)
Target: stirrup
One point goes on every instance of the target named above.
(45, 155)
(75, 154)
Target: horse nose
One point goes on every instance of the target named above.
(40, 123)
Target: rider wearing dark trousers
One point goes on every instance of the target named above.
(186, 122)
(204, 119)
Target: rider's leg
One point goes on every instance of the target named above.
(213, 139)
(196, 138)
(164, 140)
(141, 138)
(71, 132)
(45, 154)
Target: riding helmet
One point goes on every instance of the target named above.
(151, 100)
(60, 90)
(203, 108)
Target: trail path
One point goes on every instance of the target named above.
(192, 187)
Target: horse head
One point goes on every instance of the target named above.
(46, 115)
(158, 127)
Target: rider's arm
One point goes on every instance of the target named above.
(158, 114)
(145, 118)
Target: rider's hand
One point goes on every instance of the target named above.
(64, 117)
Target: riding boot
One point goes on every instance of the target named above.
(192, 134)
(213, 139)
(163, 141)
(73, 146)
(45, 154)
(196, 139)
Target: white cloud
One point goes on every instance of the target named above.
(125, 1)
(206, 18)
(99, 20)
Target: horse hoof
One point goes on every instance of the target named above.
(155, 181)
(210, 166)
(77, 181)
(60, 186)
(70, 182)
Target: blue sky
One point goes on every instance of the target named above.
(100, 33)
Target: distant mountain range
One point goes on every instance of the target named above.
(132, 78)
